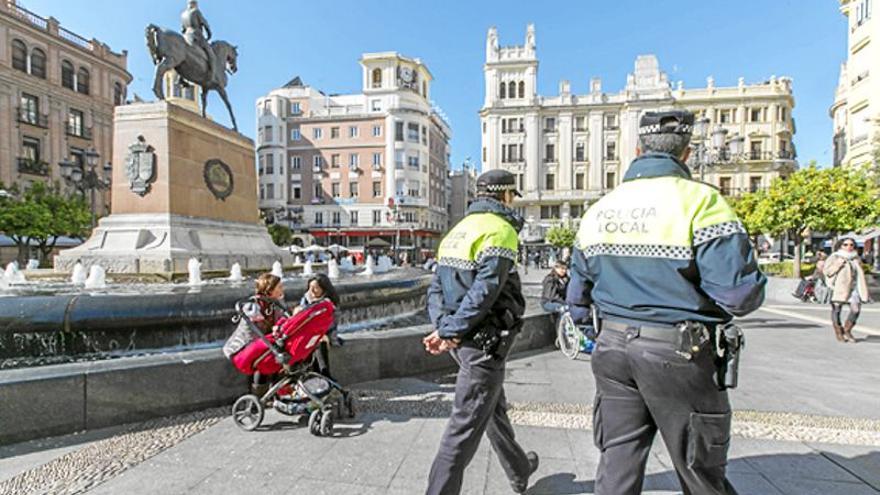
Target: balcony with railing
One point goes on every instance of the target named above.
(79, 131)
(34, 118)
(32, 167)
(43, 23)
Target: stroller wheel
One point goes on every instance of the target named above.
(315, 422)
(247, 412)
(350, 409)
(327, 421)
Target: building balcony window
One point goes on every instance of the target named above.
(30, 117)
(785, 155)
(859, 139)
(33, 167)
(79, 131)
(757, 155)
(612, 158)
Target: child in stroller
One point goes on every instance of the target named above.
(285, 358)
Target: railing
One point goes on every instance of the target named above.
(32, 118)
(32, 167)
(79, 131)
(785, 155)
(43, 23)
(75, 39)
(29, 16)
(612, 158)
(755, 155)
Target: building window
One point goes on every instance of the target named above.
(724, 183)
(30, 149)
(261, 164)
(319, 218)
(270, 164)
(270, 191)
(576, 211)
(262, 192)
(268, 135)
(611, 151)
(520, 182)
(398, 131)
(318, 161)
(754, 184)
(353, 189)
(82, 81)
(317, 133)
(522, 89)
(75, 122)
(550, 124)
(295, 108)
(319, 192)
(334, 189)
(377, 160)
(295, 134)
(550, 152)
(67, 75)
(579, 153)
(424, 135)
(412, 132)
(511, 89)
(30, 109)
(755, 150)
(377, 189)
(334, 160)
(579, 181)
(549, 212)
(353, 217)
(550, 182)
(376, 105)
(611, 121)
(413, 161)
(118, 94)
(295, 162)
(484, 154)
(334, 132)
(19, 55)
(353, 131)
(580, 123)
(610, 180)
(354, 160)
(377, 217)
(724, 116)
(782, 114)
(377, 130)
(502, 91)
(755, 115)
(297, 192)
(377, 78)
(38, 63)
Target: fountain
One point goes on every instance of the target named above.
(347, 265)
(194, 267)
(384, 265)
(13, 275)
(78, 277)
(307, 269)
(332, 268)
(298, 260)
(32, 264)
(235, 274)
(370, 266)
(97, 278)
(3, 283)
(277, 269)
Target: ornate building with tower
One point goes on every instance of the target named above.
(568, 149)
(360, 170)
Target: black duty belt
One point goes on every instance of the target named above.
(666, 334)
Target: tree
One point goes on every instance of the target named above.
(281, 235)
(41, 214)
(748, 210)
(560, 236)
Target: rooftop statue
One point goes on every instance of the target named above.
(195, 60)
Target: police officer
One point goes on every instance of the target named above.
(665, 261)
(476, 304)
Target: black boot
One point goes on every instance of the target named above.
(533, 466)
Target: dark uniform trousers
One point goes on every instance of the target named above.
(642, 385)
(479, 406)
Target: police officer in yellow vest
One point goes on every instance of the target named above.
(476, 304)
(667, 265)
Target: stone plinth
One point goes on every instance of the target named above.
(179, 216)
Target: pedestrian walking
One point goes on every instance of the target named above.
(668, 264)
(475, 302)
(846, 279)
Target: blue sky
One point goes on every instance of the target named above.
(576, 40)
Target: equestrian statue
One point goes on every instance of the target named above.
(195, 60)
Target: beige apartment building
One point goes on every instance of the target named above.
(360, 170)
(569, 149)
(58, 90)
(857, 98)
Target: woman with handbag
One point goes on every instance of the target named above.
(846, 279)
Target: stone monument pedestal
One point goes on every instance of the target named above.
(183, 187)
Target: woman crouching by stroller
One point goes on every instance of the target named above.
(320, 288)
(846, 279)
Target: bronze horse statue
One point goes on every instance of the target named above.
(171, 51)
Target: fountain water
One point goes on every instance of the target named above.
(32, 264)
(78, 277)
(13, 275)
(307, 269)
(384, 265)
(298, 260)
(235, 273)
(370, 266)
(194, 267)
(332, 268)
(97, 278)
(346, 265)
(277, 269)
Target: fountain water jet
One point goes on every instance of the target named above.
(277, 269)
(346, 265)
(97, 278)
(13, 275)
(333, 268)
(32, 264)
(370, 265)
(307, 269)
(78, 277)
(235, 273)
(384, 265)
(194, 267)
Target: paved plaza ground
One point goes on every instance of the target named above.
(805, 422)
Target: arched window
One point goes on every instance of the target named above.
(522, 89)
(502, 93)
(38, 63)
(19, 55)
(377, 78)
(82, 81)
(511, 89)
(67, 74)
(118, 94)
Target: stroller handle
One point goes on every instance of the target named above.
(280, 356)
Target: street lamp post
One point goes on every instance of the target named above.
(85, 176)
(713, 148)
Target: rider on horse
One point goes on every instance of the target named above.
(192, 25)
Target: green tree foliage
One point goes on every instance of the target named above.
(41, 214)
(561, 236)
(281, 235)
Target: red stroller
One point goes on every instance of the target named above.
(295, 388)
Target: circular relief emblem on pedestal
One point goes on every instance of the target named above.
(218, 178)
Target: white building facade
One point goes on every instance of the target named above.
(569, 149)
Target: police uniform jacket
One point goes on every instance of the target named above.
(476, 281)
(663, 248)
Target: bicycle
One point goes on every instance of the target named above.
(572, 339)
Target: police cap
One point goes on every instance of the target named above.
(495, 181)
(669, 122)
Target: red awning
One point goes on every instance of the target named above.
(371, 233)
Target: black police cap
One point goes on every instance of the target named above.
(669, 122)
(495, 181)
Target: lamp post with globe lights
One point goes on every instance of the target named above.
(86, 176)
(712, 148)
